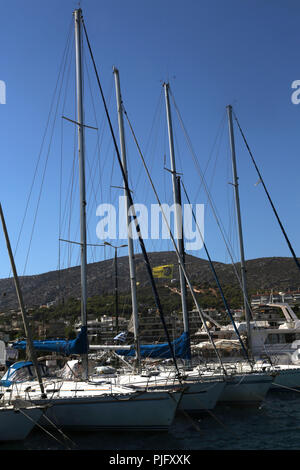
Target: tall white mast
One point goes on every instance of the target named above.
(178, 211)
(81, 158)
(239, 221)
(129, 231)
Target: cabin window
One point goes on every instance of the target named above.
(275, 339)
(282, 338)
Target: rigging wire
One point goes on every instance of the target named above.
(152, 150)
(214, 210)
(93, 191)
(44, 171)
(156, 115)
(96, 159)
(67, 220)
(68, 203)
(216, 277)
(60, 175)
(268, 195)
(43, 139)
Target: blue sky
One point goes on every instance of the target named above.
(213, 53)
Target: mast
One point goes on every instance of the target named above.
(22, 307)
(81, 158)
(239, 221)
(178, 211)
(116, 292)
(129, 230)
(181, 240)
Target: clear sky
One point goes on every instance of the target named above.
(213, 53)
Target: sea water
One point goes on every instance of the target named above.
(274, 425)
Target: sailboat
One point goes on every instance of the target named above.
(84, 403)
(284, 375)
(267, 342)
(288, 374)
(202, 394)
(235, 388)
(198, 396)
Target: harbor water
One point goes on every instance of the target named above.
(274, 425)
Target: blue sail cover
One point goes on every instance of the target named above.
(6, 379)
(20, 372)
(181, 348)
(78, 345)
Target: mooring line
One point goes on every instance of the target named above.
(287, 388)
(60, 431)
(41, 427)
(191, 420)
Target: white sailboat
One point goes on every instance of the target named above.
(252, 389)
(246, 388)
(204, 388)
(249, 386)
(199, 394)
(85, 404)
(274, 347)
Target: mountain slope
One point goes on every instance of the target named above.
(262, 274)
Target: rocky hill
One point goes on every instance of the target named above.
(262, 274)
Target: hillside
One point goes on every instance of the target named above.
(262, 274)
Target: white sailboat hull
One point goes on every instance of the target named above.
(101, 405)
(287, 379)
(15, 425)
(250, 389)
(201, 396)
(146, 411)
